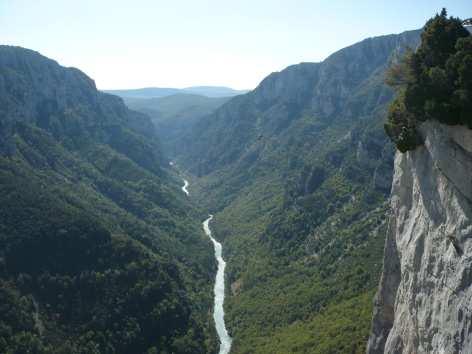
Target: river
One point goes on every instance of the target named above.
(219, 289)
(184, 187)
(219, 313)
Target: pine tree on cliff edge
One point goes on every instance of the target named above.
(435, 82)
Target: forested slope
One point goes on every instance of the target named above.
(100, 252)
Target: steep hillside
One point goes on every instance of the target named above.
(175, 115)
(95, 237)
(298, 173)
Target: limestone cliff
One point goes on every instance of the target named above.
(424, 303)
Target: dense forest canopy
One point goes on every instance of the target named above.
(434, 82)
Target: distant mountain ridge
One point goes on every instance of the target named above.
(153, 92)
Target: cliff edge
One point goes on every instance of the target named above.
(424, 303)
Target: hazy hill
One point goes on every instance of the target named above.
(214, 91)
(175, 111)
(175, 115)
(175, 106)
(152, 92)
(298, 173)
(100, 252)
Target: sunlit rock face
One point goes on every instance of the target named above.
(424, 303)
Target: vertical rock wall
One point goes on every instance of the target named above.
(424, 303)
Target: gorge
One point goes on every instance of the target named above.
(310, 182)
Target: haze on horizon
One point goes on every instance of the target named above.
(142, 43)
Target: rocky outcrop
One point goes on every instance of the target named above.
(424, 303)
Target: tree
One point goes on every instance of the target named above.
(432, 83)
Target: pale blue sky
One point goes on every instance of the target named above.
(177, 43)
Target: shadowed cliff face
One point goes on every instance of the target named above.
(424, 300)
